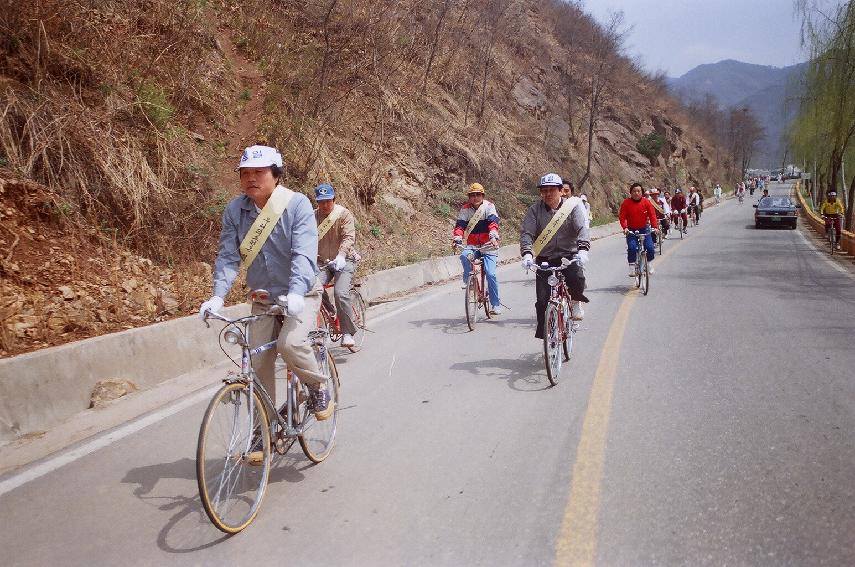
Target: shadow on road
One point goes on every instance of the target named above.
(449, 326)
(623, 289)
(188, 529)
(524, 373)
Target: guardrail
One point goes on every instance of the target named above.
(847, 239)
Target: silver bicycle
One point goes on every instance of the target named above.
(241, 427)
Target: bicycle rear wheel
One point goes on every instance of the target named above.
(638, 268)
(318, 437)
(232, 479)
(485, 303)
(359, 320)
(568, 324)
(471, 302)
(660, 238)
(644, 275)
(551, 347)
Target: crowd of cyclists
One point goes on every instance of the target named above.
(291, 249)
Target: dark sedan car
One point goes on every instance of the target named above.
(776, 211)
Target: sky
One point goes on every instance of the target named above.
(677, 36)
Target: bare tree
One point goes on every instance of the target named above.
(605, 48)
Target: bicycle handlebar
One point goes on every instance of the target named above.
(564, 265)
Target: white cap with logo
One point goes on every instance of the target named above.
(260, 156)
(550, 180)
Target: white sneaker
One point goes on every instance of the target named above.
(651, 271)
(463, 285)
(632, 273)
(496, 310)
(576, 311)
(347, 340)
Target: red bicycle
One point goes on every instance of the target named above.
(558, 327)
(329, 319)
(476, 288)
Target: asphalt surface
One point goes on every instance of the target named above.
(708, 423)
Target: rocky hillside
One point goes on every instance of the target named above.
(122, 122)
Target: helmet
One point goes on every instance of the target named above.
(832, 193)
(324, 192)
(550, 180)
(476, 188)
(678, 190)
(654, 191)
(260, 156)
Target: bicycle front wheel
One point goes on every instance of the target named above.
(233, 457)
(471, 302)
(359, 320)
(551, 344)
(831, 237)
(318, 436)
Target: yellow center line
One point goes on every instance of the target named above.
(577, 540)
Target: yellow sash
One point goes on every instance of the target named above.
(551, 229)
(476, 216)
(325, 226)
(264, 224)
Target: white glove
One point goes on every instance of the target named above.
(582, 255)
(214, 305)
(338, 263)
(458, 240)
(527, 262)
(296, 304)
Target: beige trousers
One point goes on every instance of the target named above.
(291, 342)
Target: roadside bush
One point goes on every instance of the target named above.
(650, 145)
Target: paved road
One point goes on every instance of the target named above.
(708, 423)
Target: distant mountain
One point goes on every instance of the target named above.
(770, 92)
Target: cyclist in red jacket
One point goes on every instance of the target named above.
(638, 215)
(678, 208)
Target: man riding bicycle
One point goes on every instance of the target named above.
(280, 254)
(336, 240)
(678, 209)
(663, 210)
(638, 215)
(478, 224)
(694, 201)
(554, 228)
(832, 211)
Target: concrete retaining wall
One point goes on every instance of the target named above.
(40, 389)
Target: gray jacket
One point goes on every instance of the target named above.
(287, 262)
(570, 238)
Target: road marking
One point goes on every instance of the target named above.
(577, 539)
(63, 458)
(823, 254)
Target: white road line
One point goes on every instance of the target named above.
(29, 473)
(824, 255)
(394, 356)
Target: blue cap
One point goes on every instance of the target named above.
(324, 192)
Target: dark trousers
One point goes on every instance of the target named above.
(574, 278)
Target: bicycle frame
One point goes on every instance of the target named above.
(249, 377)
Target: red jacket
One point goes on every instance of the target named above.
(678, 202)
(635, 215)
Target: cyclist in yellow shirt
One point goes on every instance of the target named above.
(832, 210)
